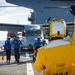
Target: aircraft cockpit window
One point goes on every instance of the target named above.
(38, 32)
(29, 33)
(33, 32)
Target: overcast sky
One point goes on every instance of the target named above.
(12, 15)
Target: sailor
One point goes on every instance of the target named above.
(57, 57)
(38, 43)
(7, 48)
(16, 44)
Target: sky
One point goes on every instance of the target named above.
(13, 15)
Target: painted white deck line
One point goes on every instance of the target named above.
(29, 66)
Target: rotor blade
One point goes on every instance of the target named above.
(10, 6)
(47, 7)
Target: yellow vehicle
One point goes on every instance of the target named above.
(57, 57)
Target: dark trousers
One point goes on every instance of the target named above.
(8, 55)
(36, 50)
(34, 57)
(17, 54)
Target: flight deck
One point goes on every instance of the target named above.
(24, 67)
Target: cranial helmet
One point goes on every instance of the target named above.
(57, 28)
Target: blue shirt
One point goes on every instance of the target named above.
(16, 44)
(38, 43)
(7, 45)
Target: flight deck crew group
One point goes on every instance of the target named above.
(55, 58)
(16, 45)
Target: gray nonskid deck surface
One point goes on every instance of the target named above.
(16, 68)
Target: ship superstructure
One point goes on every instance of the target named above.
(43, 9)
